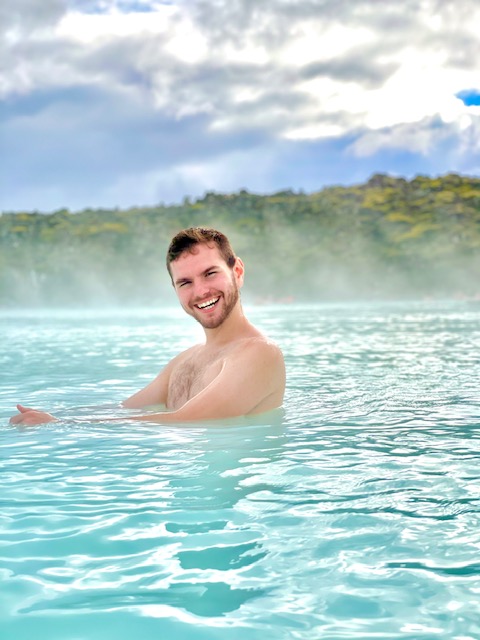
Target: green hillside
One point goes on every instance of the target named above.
(386, 238)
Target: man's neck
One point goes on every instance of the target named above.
(234, 327)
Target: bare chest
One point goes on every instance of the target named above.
(190, 377)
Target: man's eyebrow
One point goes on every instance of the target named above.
(214, 266)
(204, 272)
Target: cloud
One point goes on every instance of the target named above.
(100, 141)
(112, 99)
(25, 16)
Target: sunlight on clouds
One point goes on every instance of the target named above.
(421, 88)
(470, 139)
(421, 137)
(465, 121)
(187, 43)
(414, 138)
(315, 131)
(85, 27)
(246, 94)
(248, 53)
(314, 41)
(333, 96)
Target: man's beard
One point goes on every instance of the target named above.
(230, 299)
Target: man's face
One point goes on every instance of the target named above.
(207, 288)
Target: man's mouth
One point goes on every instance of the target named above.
(208, 304)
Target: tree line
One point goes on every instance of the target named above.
(387, 238)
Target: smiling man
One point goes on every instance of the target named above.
(237, 371)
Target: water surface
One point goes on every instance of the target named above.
(355, 514)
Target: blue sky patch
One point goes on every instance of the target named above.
(101, 7)
(470, 97)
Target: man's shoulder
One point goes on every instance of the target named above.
(258, 347)
(260, 362)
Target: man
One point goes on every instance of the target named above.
(236, 372)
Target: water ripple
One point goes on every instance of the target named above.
(356, 516)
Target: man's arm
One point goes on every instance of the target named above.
(251, 381)
(155, 392)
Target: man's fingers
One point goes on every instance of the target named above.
(32, 417)
(25, 415)
(23, 409)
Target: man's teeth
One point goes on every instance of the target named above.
(208, 303)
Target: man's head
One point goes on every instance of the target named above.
(189, 239)
(206, 275)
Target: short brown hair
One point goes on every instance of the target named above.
(187, 239)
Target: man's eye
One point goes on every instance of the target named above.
(211, 273)
(183, 284)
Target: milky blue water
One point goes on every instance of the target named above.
(355, 514)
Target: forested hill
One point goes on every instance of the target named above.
(386, 238)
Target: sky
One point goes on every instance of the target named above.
(117, 103)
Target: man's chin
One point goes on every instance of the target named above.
(209, 322)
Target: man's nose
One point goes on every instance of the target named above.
(201, 289)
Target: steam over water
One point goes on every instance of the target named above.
(355, 514)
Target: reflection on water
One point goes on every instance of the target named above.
(353, 513)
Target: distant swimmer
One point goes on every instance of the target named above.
(237, 371)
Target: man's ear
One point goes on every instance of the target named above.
(239, 271)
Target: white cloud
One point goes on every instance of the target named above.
(414, 138)
(86, 28)
(314, 131)
(316, 40)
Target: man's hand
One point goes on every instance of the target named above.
(31, 416)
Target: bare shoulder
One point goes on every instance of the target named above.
(262, 344)
(258, 365)
(260, 350)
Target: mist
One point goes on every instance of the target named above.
(386, 239)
